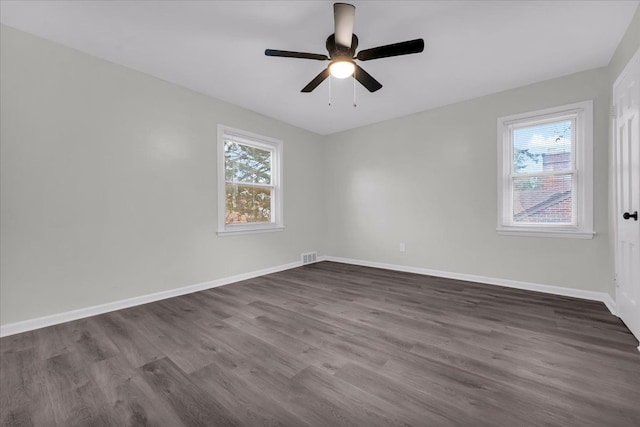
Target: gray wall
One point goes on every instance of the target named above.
(429, 180)
(108, 185)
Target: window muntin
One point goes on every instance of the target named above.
(250, 195)
(545, 179)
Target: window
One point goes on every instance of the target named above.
(545, 179)
(249, 182)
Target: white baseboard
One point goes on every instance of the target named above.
(603, 297)
(54, 319)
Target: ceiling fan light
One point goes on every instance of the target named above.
(342, 69)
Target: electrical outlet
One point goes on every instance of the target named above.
(403, 247)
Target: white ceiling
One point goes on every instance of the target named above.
(473, 48)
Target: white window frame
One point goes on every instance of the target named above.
(582, 157)
(277, 200)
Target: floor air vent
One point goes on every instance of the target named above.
(309, 257)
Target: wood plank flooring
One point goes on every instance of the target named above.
(330, 344)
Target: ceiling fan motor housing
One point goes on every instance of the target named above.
(335, 49)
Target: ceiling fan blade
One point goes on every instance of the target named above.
(366, 79)
(290, 54)
(343, 16)
(402, 48)
(316, 81)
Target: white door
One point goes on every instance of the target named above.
(626, 98)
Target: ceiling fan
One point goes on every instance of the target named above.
(342, 47)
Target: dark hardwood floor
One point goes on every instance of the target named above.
(330, 345)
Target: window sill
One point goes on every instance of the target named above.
(253, 230)
(532, 232)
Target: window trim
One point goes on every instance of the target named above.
(582, 154)
(277, 199)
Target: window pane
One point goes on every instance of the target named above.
(245, 204)
(543, 199)
(244, 163)
(542, 148)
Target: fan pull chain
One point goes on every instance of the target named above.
(330, 90)
(354, 93)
